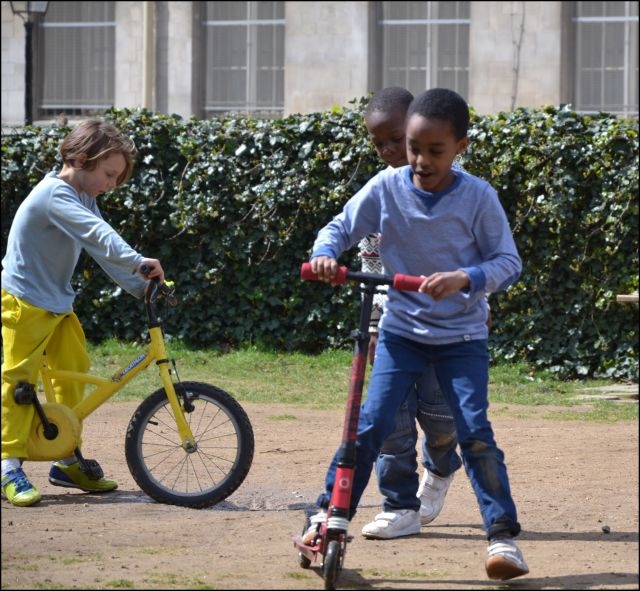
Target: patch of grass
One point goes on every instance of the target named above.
(297, 575)
(249, 375)
(164, 580)
(322, 381)
(404, 574)
(414, 574)
(522, 389)
(120, 584)
(153, 550)
(73, 560)
(25, 566)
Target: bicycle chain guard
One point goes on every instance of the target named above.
(39, 447)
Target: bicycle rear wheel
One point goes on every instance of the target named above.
(202, 478)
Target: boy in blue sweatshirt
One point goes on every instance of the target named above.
(396, 467)
(449, 227)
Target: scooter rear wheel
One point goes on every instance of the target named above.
(303, 561)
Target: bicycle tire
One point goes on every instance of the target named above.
(165, 471)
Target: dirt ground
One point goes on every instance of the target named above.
(575, 484)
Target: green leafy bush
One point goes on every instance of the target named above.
(569, 184)
(232, 205)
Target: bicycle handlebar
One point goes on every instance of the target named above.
(399, 281)
(156, 289)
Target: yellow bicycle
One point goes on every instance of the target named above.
(188, 443)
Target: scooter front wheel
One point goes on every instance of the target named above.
(168, 473)
(332, 564)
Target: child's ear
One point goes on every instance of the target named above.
(79, 161)
(463, 144)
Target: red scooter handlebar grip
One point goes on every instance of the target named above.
(407, 282)
(306, 272)
(309, 275)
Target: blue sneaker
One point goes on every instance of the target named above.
(18, 490)
(73, 477)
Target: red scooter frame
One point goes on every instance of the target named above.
(331, 541)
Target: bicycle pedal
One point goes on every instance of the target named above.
(24, 393)
(92, 469)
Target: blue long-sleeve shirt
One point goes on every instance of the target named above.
(461, 228)
(48, 233)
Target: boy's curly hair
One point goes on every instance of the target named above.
(389, 99)
(443, 104)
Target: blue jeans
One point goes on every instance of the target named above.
(462, 370)
(396, 466)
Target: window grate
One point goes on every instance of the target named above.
(77, 44)
(244, 57)
(606, 73)
(425, 45)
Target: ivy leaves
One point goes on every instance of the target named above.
(232, 205)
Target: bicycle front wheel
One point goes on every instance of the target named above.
(201, 478)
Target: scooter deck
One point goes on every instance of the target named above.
(310, 552)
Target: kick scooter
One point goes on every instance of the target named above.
(331, 541)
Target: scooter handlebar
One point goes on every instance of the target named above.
(399, 281)
(407, 282)
(309, 275)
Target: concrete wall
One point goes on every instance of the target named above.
(326, 54)
(129, 74)
(13, 66)
(183, 93)
(154, 59)
(515, 55)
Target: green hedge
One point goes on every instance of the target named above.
(232, 205)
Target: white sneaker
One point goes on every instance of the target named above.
(432, 492)
(504, 560)
(385, 526)
(315, 523)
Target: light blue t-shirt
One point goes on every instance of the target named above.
(463, 227)
(48, 233)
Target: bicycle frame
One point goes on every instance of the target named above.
(108, 387)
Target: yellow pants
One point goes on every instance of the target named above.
(26, 332)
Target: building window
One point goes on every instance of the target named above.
(426, 45)
(244, 58)
(606, 53)
(78, 53)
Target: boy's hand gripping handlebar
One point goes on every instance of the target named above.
(155, 289)
(399, 281)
